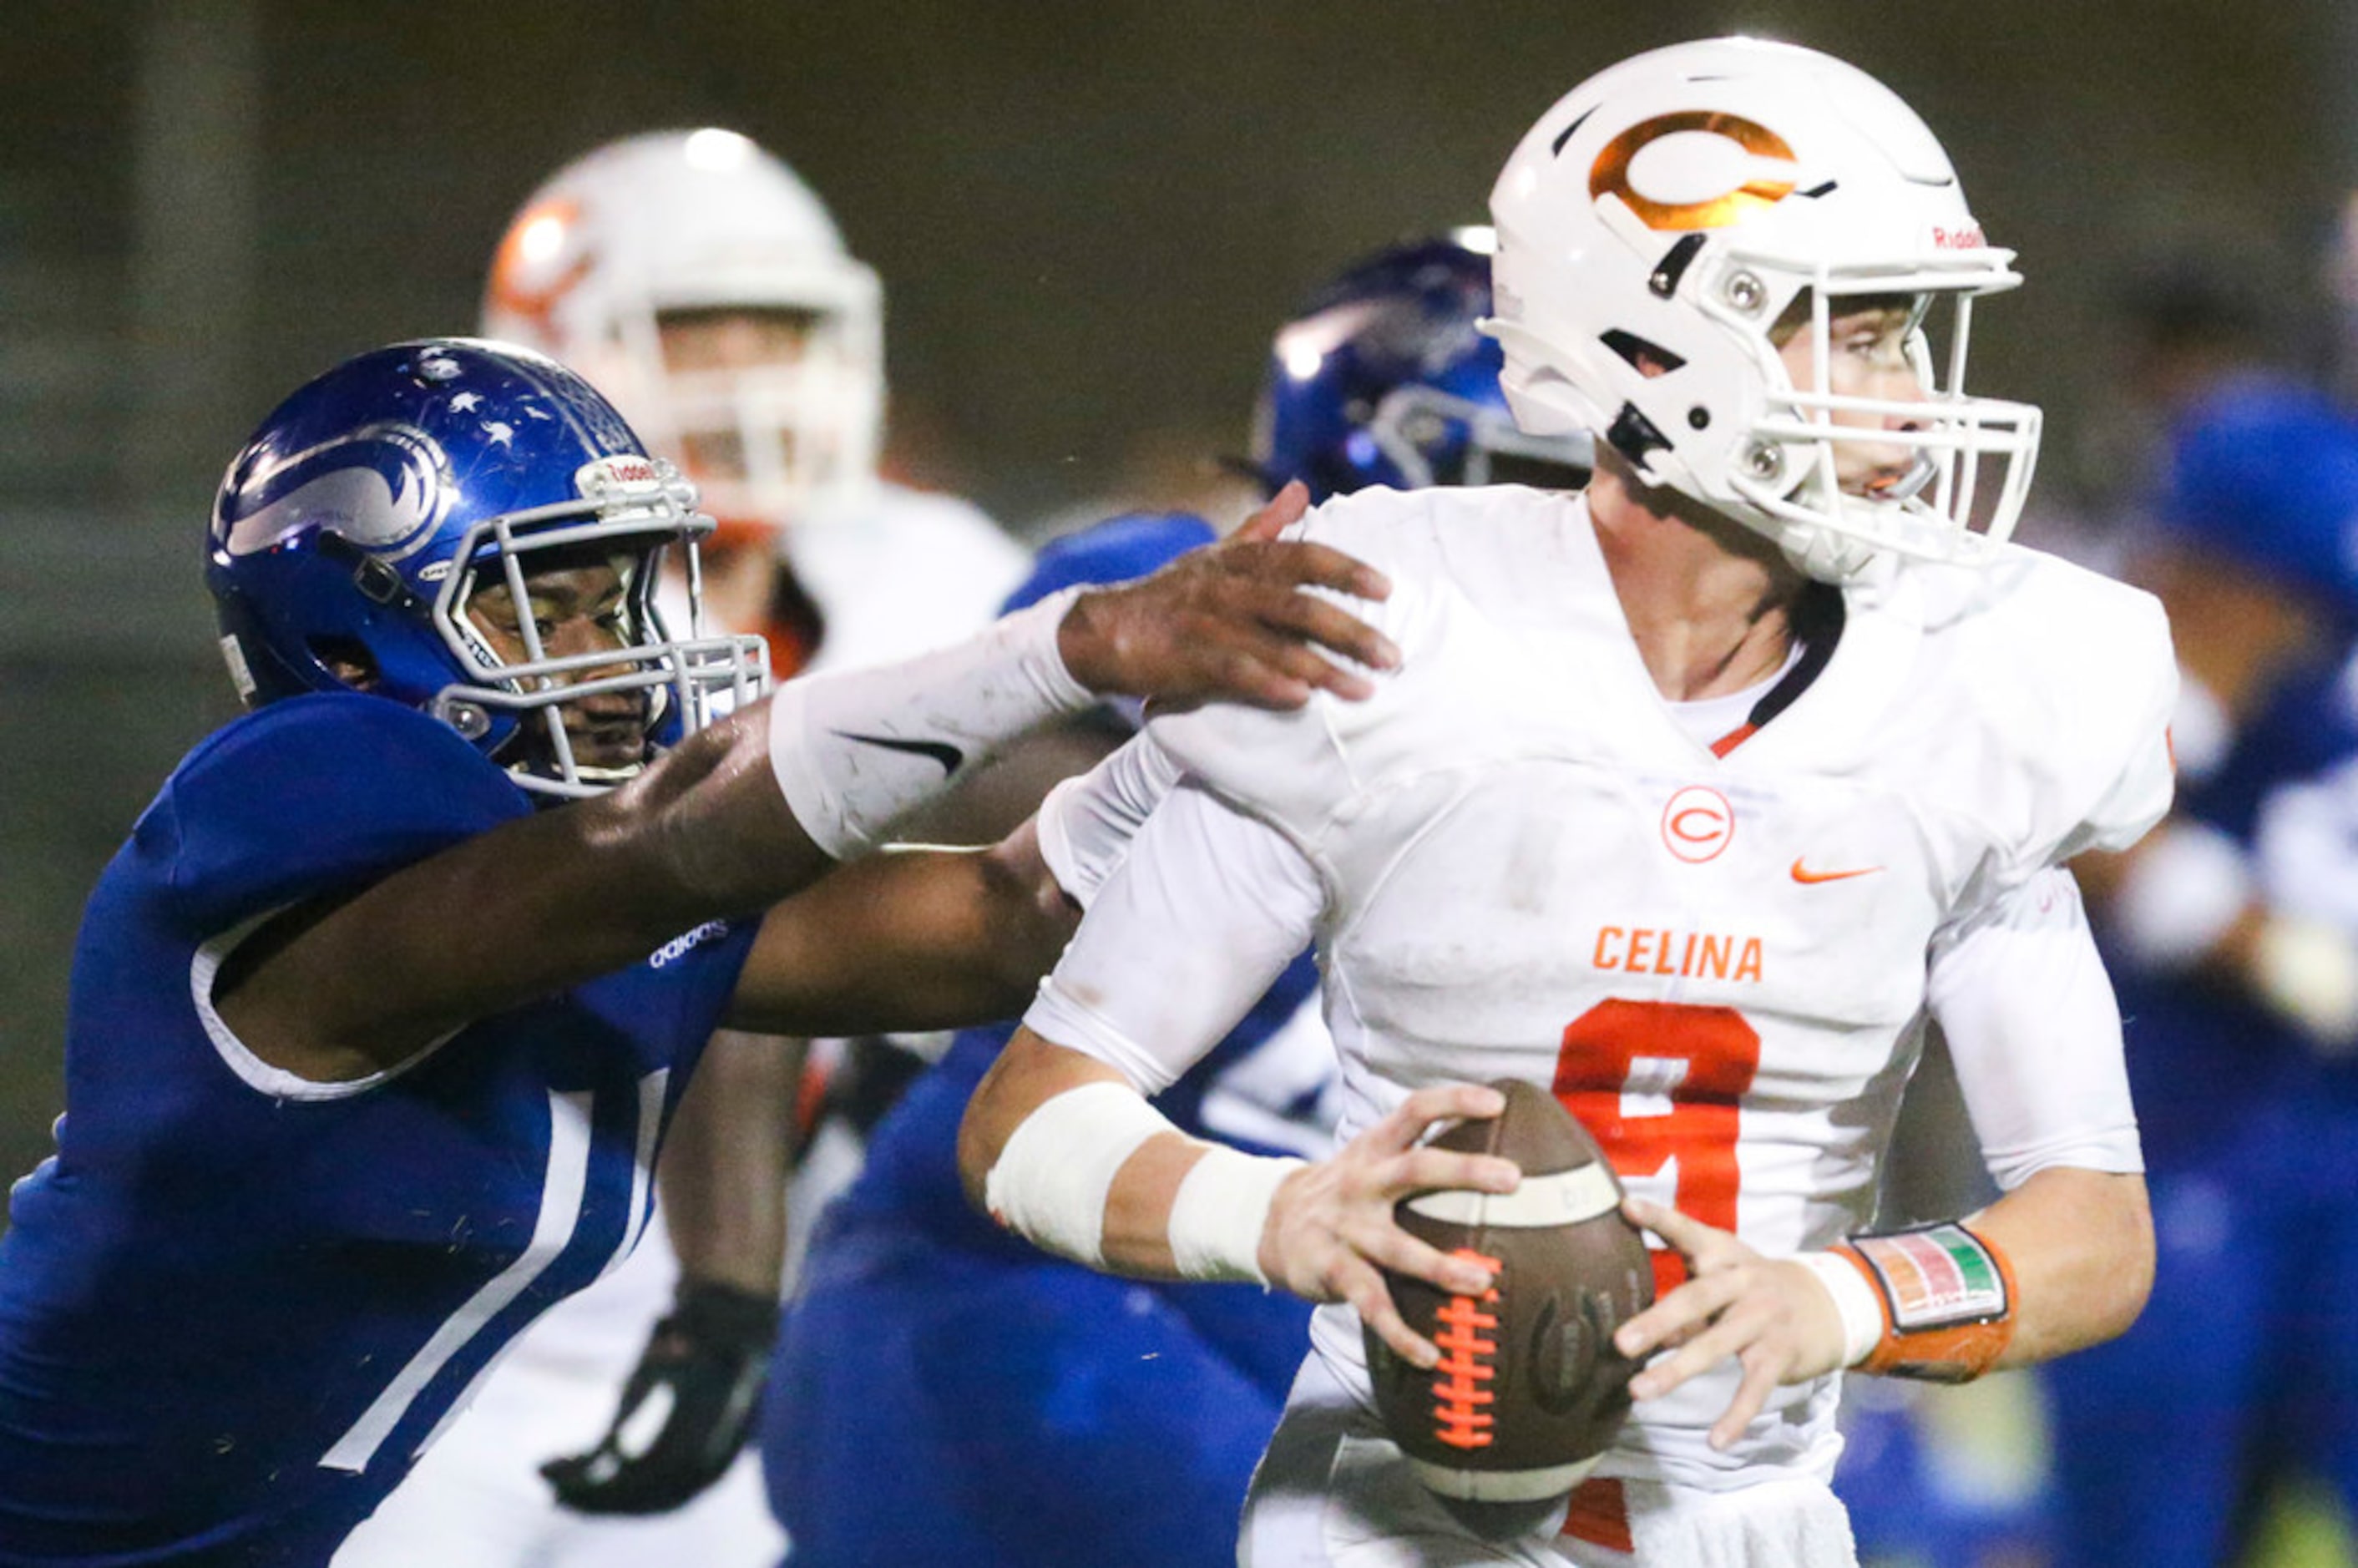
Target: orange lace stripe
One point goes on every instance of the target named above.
(1459, 1379)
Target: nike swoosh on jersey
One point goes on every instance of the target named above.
(1803, 873)
(942, 752)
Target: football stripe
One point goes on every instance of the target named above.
(1566, 1197)
(1502, 1486)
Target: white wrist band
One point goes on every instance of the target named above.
(1855, 1299)
(1220, 1211)
(855, 751)
(1050, 1182)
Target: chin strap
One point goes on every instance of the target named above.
(1822, 554)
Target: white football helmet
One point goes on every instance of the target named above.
(697, 221)
(1658, 221)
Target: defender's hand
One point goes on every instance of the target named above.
(685, 1411)
(1770, 1314)
(1230, 621)
(1331, 1232)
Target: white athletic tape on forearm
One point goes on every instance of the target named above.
(1050, 1183)
(1219, 1212)
(1861, 1314)
(856, 751)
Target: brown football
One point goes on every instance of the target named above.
(1530, 1389)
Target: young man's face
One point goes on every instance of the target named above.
(710, 346)
(1868, 357)
(722, 342)
(574, 610)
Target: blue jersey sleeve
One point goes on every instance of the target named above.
(311, 795)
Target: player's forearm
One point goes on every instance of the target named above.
(333, 991)
(707, 829)
(858, 751)
(1059, 1148)
(911, 939)
(2063, 1261)
(2081, 1243)
(1134, 1234)
(725, 1161)
(1125, 1228)
(1028, 1072)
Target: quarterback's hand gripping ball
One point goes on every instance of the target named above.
(1529, 1389)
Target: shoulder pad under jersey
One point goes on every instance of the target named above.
(2071, 676)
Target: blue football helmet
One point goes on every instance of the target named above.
(1120, 549)
(353, 535)
(1382, 379)
(2263, 471)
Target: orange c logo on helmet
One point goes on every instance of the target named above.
(1611, 171)
(530, 241)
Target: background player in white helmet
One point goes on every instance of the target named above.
(1697, 797)
(693, 277)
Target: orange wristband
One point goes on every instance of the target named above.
(1948, 1301)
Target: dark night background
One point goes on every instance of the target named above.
(1089, 218)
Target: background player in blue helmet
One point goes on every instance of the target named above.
(368, 1059)
(2233, 935)
(1381, 378)
(943, 1390)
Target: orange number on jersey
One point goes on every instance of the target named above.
(1657, 1082)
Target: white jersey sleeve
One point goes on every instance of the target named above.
(1087, 823)
(2077, 680)
(1197, 920)
(2033, 1028)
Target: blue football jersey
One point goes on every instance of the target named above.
(911, 1175)
(234, 1305)
(2192, 1093)
(2247, 1353)
(1041, 1415)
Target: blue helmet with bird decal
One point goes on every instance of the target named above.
(357, 535)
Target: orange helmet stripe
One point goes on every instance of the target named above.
(1611, 171)
(507, 287)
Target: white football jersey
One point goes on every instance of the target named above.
(915, 572)
(1518, 862)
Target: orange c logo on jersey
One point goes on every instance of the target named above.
(1753, 191)
(1697, 823)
